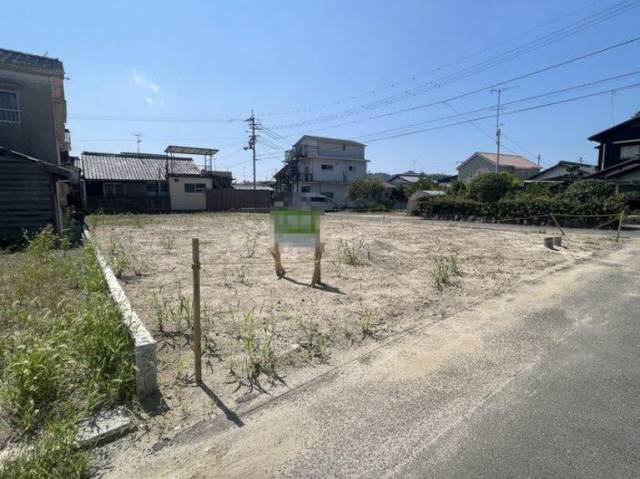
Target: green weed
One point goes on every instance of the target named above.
(258, 354)
(444, 270)
(314, 341)
(64, 353)
(367, 322)
(354, 253)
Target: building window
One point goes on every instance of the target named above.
(630, 151)
(195, 187)
(9, 107)
(351, 168)
(326, 167)
(305, 189)
(112, 190)
(344, 147)
(328, 194)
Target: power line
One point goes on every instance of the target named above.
(527, 99)
(488, 87)
(436, 69)
(610, 12)
(522, 110)
(154, 119)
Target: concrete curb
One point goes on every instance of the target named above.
(144, 344)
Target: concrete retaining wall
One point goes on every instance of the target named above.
(144, 344)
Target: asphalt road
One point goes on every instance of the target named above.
(575, 414)
(542, 382)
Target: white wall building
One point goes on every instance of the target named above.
(481, 162)
(323, 165)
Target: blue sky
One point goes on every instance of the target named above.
(301, 62)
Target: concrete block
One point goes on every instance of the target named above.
(104, 427)
(144, 344)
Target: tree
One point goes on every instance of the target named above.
(423, 183)
(367, 191)
(492, 187)
(458, 188)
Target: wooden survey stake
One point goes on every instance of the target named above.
(197, 330)
(317, 271)
(277, 257)
(557, 224)
(620, 226)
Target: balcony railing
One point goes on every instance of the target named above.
(309, 151)
(9, 115)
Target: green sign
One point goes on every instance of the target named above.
(295, 227)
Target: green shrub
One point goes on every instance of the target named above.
(576, 201)
(423, 183)
(458, 188)
(492, 187)
(366, 191)
(535, 190)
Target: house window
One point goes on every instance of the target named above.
(344, 147)
(326, 167)
(195, 187)
(305, 189)
(9, 107)
(351, 168)
(328, 194)
(112, 190)
(630, 151)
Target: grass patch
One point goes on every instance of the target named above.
(445, 270)
(314, 341)
(354, 252)
(64, 354)
(257, 351)
(367, 322)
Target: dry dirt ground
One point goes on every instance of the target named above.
(379, 282)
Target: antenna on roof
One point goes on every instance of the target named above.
(138, 140)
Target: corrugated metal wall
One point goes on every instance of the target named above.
(26, 197)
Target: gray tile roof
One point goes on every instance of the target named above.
(133, 167)
(27, 60)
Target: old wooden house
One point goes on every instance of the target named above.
(145, 182)
(30, 194)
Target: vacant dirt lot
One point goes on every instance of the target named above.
(265, 334)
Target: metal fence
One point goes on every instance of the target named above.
(230, 199)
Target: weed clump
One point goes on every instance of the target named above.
(445, 270)
(367, 322)
(64, 354)
(257, 350)
(354, 252)
(314, 341)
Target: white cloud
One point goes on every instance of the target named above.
(154, 95)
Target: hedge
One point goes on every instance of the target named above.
(522, 211)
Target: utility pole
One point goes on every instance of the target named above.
(252, 145)
(539, 157)
(499, 91)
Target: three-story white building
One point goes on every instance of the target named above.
(322, 165)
